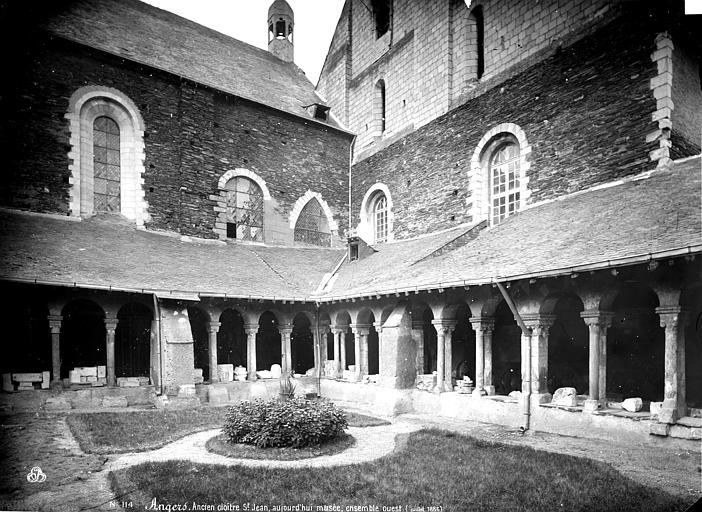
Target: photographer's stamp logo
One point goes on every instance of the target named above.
(36, 475)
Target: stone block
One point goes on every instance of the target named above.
(45, 380)
(91, 379)
(74, 377)
(161, 402)
(217, 394)
(684, 432)
(57, 403)
(659, 429)
(225, 372)
(668, 415)
(88, 371)
(25, 386)
(632, 404)
(655, 408)
(27, 377)
(566, 397)
(7, 384)
(114, 401)
(102, 372)
(186, 390)
(276, 371)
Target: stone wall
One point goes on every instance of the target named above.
(687, 101)
(585, 112)
(192, 136)
(423, 58)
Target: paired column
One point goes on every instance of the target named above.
(285, 350)
(540, 325)
(444, 330)
(674, 402)
(483, 327)
(597, 323)
(338, 332)
(361, 332)
(251, 332)
(110, 328)
(55, 326)
(213, 329)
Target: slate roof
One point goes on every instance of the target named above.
(148, 35)
(631, 221)
(106, 251)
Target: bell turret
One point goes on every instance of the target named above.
(281, 20)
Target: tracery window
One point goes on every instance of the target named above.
(106, 165)
(244, 216)
(380, 219)
(312, 226)
(504, 182)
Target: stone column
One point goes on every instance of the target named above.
(316, 349)
(285, 351)
(337, 332)
(361, 332)
(597, 323)
(444, 329)
(674, 407)
(55, 326)
(487, 358)
(110, 328)
(251, 332)
(418, 338)
(481, 326)
(379, 330)
(540, 326)
(342, 350)
(213, 329)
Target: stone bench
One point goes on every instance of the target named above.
(25, 381)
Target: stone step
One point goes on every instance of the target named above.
(689, 421)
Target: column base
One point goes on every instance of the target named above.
(490, 390)
(541, 398)
(591, 405)
(479, 393)
(251, 377)
(668, 414)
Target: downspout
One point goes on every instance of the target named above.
(526, 331)
(157, 312)
(319, 351)
(351, 149)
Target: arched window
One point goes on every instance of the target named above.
(478, 22)
(106, 165)
(504, 181)
(380, 218)
(106, 155)
(244, 216)
(312, 226)
(379, 108)
(381, 16)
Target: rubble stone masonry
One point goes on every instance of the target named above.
(585, 111)
(193, 135)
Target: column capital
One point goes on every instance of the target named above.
(285, 329)
(213, 327)
(446, 326)
(483, 323)
(671, 316)
(595, 317)
(111, 323)
(250, 329)
(338, 329)
(378, 326)
(55, 323)
(360, 329)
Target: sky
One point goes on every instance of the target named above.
(246, 20)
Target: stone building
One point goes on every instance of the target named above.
(520, 212)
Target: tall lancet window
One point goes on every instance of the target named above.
(106, 165)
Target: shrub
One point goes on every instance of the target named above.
(296, 422)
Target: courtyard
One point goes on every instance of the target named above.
(150, 459)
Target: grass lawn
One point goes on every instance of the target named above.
(116, 432)
(119, 432)
(434, 468)
(220, 445)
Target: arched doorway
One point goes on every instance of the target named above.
(133, 341)
(82, 336)
(27, 346)
(231, 339)
(302, 344)
(201, 343)
(268, 350)
(568, 346)
(506, 352)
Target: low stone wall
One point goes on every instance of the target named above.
(89, 398)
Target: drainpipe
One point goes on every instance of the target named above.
(318, 348)
(526, 331)
(351, 148)
(157, 312)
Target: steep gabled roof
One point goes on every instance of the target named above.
(145, 34)
(107, 251)
(631, 221)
